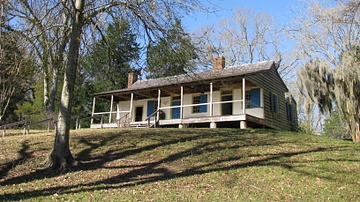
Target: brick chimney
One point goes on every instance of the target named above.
(132, 78)
(218, 63)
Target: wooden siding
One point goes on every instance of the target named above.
(263, 75)
(271, 82)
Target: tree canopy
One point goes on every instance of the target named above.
(106, 65)
(172, 55)
(111, 57)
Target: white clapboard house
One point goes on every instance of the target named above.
(249, 95)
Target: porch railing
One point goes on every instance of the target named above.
(210, 106)
(156, 119)
(124, 121)
(153, 119)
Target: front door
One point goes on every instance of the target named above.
(138, 113)
(175, 112)
(226, 108)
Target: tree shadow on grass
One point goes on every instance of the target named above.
(23, 155)
(46, 172)
(152, 171)
(87, 161)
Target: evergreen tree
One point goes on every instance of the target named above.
(107, 65)
(110, 58)
(16, 73)
(171, 55)
(335, 126)
(33, 109)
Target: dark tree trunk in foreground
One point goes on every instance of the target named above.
(61, 157)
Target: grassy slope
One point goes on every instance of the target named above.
(183, 165)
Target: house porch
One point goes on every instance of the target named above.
(225, 101)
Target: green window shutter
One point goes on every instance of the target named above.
(276, 104)
(288, 111)
(271, 102)
(291, 113)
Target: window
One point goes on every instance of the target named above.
(198, 100)
(274, 102)
(176, 98)
(226, 92)
(252, 98)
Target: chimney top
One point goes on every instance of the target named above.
(132, 78)
(218, 63)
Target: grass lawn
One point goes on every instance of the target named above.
(183, 165)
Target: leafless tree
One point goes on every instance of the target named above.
(328, 44)
(245, 38)
(152, 18)
(45, 26)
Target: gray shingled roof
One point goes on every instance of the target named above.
(198, 76)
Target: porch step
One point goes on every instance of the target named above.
(139, 125)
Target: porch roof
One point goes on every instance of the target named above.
(197, 78)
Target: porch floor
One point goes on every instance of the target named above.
(213, 119)
(203, 120)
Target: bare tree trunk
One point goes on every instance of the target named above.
(45, 88)
(5, 100)
(50, 91)
(57, 65)
(61, 157)
(50, 105)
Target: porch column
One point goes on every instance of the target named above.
(158, 105)
(243, 95)
(111, 107)
(243, 124)
(211, 99)
(131, 106)
(93, 111)
(181, 105)
(117, 112)
(212, 124)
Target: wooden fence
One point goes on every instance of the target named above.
(10, 125)
(26, 124)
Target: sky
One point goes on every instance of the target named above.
(281, 10)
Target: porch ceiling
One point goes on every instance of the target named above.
(175, 89)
